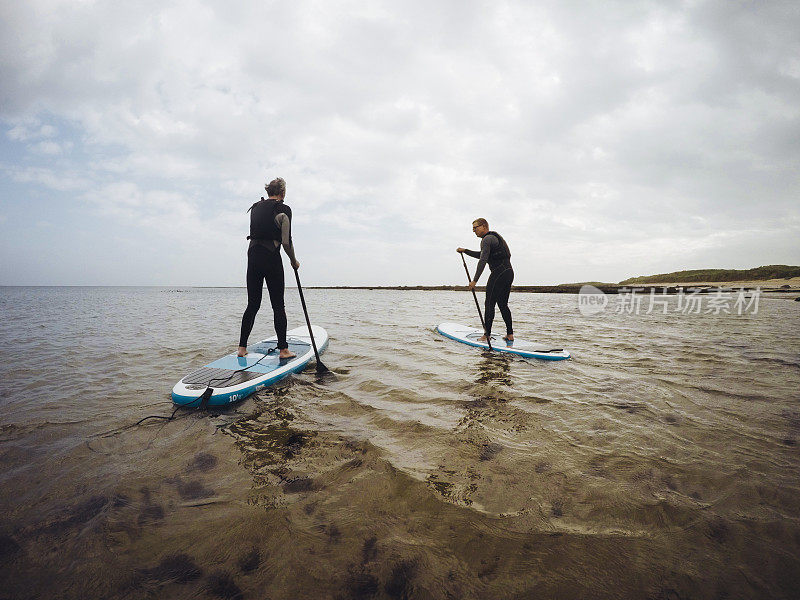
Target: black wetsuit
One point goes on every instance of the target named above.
(270, 226)
(495, 252)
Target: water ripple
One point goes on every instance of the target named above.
(668, 445)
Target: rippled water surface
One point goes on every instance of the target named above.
(661, 461)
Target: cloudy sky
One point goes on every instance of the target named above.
(603, 140)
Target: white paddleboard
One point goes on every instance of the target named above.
(260, 368)
(469, 335)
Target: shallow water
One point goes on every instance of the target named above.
(660, 462)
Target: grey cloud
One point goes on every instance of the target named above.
(582, 122)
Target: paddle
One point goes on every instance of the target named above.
(321, 368)
(477, 305)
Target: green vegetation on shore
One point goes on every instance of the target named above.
(713, 275)
(679, 277)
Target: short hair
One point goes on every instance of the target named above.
(483, 222)
(276, 187)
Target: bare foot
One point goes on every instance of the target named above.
(242, 351)
(509, 337)
(285, 353)
(482, 338)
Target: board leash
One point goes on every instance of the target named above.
(203, 399)
(206, 395)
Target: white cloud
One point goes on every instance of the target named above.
(49, 148)
(30, 129)
(657, 130)
(59, 180)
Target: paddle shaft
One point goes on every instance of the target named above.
(320, 367)
(477, 304)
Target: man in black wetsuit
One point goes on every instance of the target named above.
(270, 228)
(494, 251)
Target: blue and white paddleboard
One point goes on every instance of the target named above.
(470, 335)
(261, 368)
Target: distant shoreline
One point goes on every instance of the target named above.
(703, 288)
(777, 288)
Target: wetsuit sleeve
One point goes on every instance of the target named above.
(286, 235)
(487, 242)
(472, 253)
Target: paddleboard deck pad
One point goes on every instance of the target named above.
(234, 378)
(469, 335)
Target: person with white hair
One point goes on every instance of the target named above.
(270, 228)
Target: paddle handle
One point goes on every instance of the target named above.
(320, 366)
(477, 304)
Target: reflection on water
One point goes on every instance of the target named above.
(660, 462)
(494, 368)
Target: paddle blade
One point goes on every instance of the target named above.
(324, 374)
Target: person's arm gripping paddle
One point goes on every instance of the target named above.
(473, 254)
(286, 238)
(487, 243)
